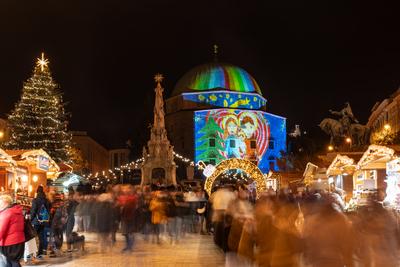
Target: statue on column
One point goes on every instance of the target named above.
(159, 103)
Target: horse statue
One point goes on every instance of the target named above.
(359, 133)
(346, 126)
(332, 127)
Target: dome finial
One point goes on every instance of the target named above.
(215, 52)
(158, 78)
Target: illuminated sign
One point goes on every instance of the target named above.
(43, 163)
(257, 136)
(393, 166)
(227, 99)
(209, 170)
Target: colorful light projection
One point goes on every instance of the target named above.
(256, 136)
(217, 75)
(225, 99)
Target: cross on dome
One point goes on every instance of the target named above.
(158, 78)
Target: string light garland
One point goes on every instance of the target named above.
(247, 166)
(135, 164)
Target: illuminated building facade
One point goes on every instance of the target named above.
(386, 113)
(217, 112)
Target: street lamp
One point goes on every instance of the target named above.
(1, 134)
(330, 148)
(386, 127)
(348, 141)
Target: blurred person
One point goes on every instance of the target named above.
(201, 211)
(146, 212)
(220, 200)
(328, 237)
(171, 213)
(287, 241)
(182, 208)
(40, 216)
(85, 207)
(378, 235)
(31, 247)
(70, 205)
(78, 213)
(127, 202)
(104, 212)
(58, 224)
(12, 237)
(158, 214)
(239, 211)
(265, 231)
(114, 192)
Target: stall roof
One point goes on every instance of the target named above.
(344, 163)
(376, 156)
(6, 158)
(20, 155)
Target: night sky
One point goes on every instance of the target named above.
(307, 56)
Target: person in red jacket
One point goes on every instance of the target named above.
(12, 237)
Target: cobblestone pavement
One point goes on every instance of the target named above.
(192, 250)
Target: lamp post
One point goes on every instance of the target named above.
(348, 140)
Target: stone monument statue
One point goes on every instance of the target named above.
(346, 126)
(159, 155)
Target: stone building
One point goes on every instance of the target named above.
(386, 112)
(96, 155)
(119, 157)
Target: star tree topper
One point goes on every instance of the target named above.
(42, 62)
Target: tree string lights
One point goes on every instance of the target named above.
(38, 120)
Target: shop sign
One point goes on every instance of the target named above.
(43, 163)
(209, 170)
(393, 166)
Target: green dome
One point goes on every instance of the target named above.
(217, 76)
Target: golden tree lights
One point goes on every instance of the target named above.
(38, 120)
(248, 167)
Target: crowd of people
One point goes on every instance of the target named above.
(162, 216)
(276, 230)
(308, 229)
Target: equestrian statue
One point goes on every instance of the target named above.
(347, 126)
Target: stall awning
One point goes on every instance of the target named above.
(376, 157)
(6, 159)
(38, 158)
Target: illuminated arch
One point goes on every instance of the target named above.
(250, 168)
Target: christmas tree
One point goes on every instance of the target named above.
(210, 143)
(38, 119)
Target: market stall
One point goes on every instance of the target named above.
(370, 175)
(340, 173)
(392, 198)
(34, 167)
(8, 169)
